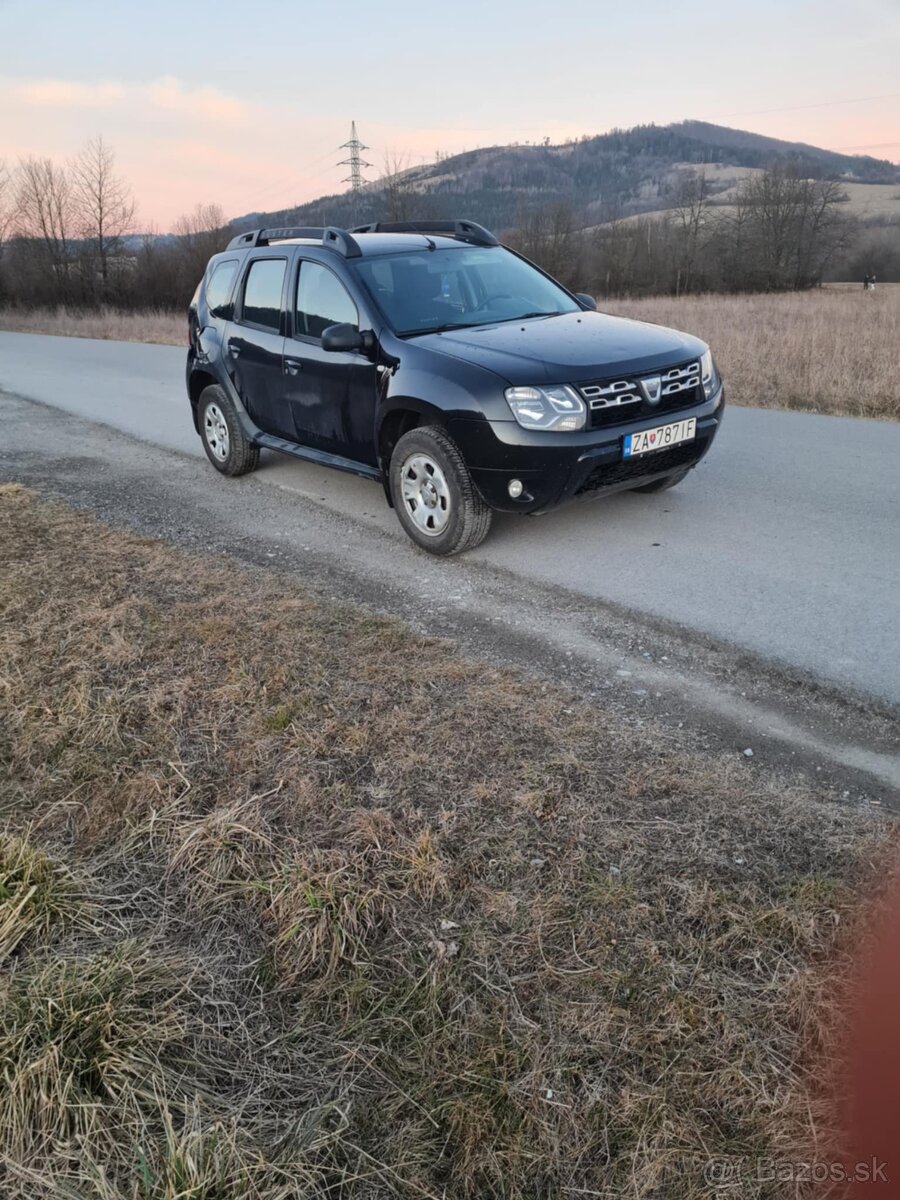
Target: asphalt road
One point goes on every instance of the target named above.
(785, 542)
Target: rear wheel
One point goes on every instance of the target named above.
(227, 446)
(662, 485)
(433, 493)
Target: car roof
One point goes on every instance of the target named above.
(371, 244)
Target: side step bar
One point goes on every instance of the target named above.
(321, 457)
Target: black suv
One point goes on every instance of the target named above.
(434, 360)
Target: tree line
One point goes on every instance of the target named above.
(778, 232)
(67, 236)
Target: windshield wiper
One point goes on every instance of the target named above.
(405, 333)
(527, 316)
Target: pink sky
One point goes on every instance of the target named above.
(179, 146)
(257, 126)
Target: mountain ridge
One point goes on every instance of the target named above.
(600, 177)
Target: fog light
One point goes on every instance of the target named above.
(516, 488)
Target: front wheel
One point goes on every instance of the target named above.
(433, 493)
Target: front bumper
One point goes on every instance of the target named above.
(558, 467)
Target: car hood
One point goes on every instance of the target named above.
(569, 348)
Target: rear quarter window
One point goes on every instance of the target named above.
(219, 287)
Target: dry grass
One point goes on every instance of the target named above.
(376, 921)
(109, 324)
(833, 350)
(35, 894)
(864, 201)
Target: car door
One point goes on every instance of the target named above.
(332, 395)
(254, 344)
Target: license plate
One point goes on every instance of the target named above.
(660, 438)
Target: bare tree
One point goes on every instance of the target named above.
(609, 242)
(201, 233)
(825, 230)
(731, 246)
(795, 228)
(9, 210)
(45, 213)
(776, 203)
(548, 236)
(689, 220)
(8, 205)
(102, 203)
(202, 228)
(396, 188)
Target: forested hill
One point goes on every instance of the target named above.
(611, 175)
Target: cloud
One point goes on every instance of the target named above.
(63, 93)
(171, 94)
(166, 94)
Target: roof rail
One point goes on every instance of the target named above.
(464, 231)
(330, 237)
(341, 240)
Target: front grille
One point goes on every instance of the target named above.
(657, 462)
(617, 401)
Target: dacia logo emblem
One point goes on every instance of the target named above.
(651, 386)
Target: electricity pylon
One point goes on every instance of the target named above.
(354, 162)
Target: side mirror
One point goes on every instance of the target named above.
(345, 338)
(586, 301)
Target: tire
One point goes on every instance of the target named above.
(663, 485)
(227, 446)
(436, 501)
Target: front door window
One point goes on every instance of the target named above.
(322, 300)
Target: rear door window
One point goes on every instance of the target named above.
(262, 293)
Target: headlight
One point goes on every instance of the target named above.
(708, 373)
(555, 409)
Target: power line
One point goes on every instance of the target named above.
(800, 107)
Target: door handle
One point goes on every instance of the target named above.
(292, 366)
(234, 348)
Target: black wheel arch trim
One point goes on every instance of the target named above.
(430, 414)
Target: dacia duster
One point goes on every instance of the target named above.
(432, 359)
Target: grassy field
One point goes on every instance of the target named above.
(297, 904)
(864, 201)
(110, 324)
(831, 351)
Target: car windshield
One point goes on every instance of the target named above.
(458, 287)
